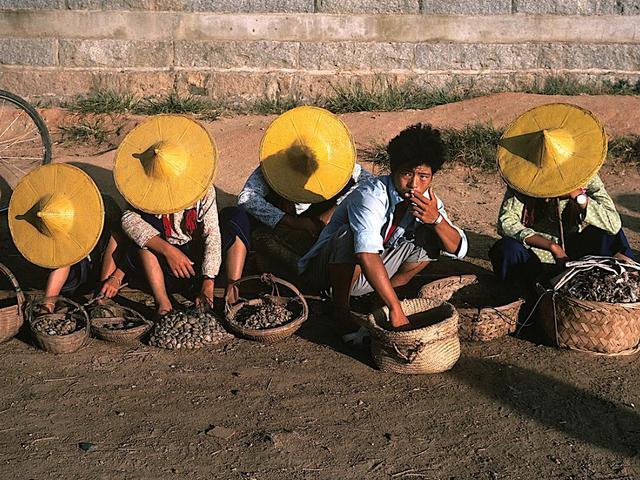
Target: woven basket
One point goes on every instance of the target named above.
(431, 349)
(594, 327)
(266, 335)
(11, 317)
(61, 343)
(481, 323)
(127, 335)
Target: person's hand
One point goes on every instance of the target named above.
(206, 293)
(398, 319)
(423, 208)
(110, 287)
(180, 265)
(559, 254)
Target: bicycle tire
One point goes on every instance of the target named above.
(40, 125)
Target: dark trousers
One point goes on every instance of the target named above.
(511, 261)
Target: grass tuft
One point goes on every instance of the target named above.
(473, 146)
(625, 149)
(104, 101)
(558, 85)
(355, 97)
(272, 105)
(173, 102)
(85, 131)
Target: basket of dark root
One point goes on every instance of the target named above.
(11, 308)
(597, 312)
(188, 329)
(118, 324)
(271, 316)
(487, 308)
(64, 330)
(430, 346)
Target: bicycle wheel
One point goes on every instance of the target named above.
(24, 143)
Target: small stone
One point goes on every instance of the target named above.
(220, 432)
(86, 446)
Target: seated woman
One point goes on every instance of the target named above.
(60, 221)
(387, 230)
(556, 207)
(159, 169)
(102, 271)
(172, 251)
(292, 195)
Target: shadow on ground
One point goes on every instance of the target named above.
(554, 403)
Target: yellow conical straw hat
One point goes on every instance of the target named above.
(307, 155)
(552, 150)
(165, 164)
(56, 215)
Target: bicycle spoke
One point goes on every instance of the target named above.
(11, 125)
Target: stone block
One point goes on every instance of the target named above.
(28, 51)
(621, 57)
(116, 53)
(472, 56)
(151, 5)
(566, 7)
(628, 7)
(236, 54)
(31, 4)
(366, 56)
(369, 6)
(466, 7)
(222, 6)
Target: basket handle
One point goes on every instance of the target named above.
(412, 353)
(264, 278)
(14, 281)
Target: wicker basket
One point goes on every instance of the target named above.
(11, 317)
(431, 349)
(594, 327)
(266, 335)
(126, 335)
(61, 343)
(481, 323)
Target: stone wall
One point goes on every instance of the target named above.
(251, 48)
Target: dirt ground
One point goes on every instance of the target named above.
(310, 408)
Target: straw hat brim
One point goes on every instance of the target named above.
(79, 202)
(517, 147)
(173, 191)
(307, 155)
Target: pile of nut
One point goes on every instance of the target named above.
(268, 314)
(187, 329)
(56, 325)
(603, 286)
(123, 324)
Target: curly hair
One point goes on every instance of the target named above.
(419, 144)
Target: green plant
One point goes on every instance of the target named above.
(272, 105)
(85, 131)
(104, 101)
(355, 97)
(625, 149)
(173, 102)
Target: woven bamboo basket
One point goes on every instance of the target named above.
(11, 317)
(109, 315)
(266, 335)
(594, 327)
(477, 323)
(431, 349)
(60, 343)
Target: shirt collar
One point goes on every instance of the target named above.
(394, 195)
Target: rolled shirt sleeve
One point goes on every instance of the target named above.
(253, 199)
(367, 217)
(137, 229)
(509, 219)
(601, 211)
(464, 243)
